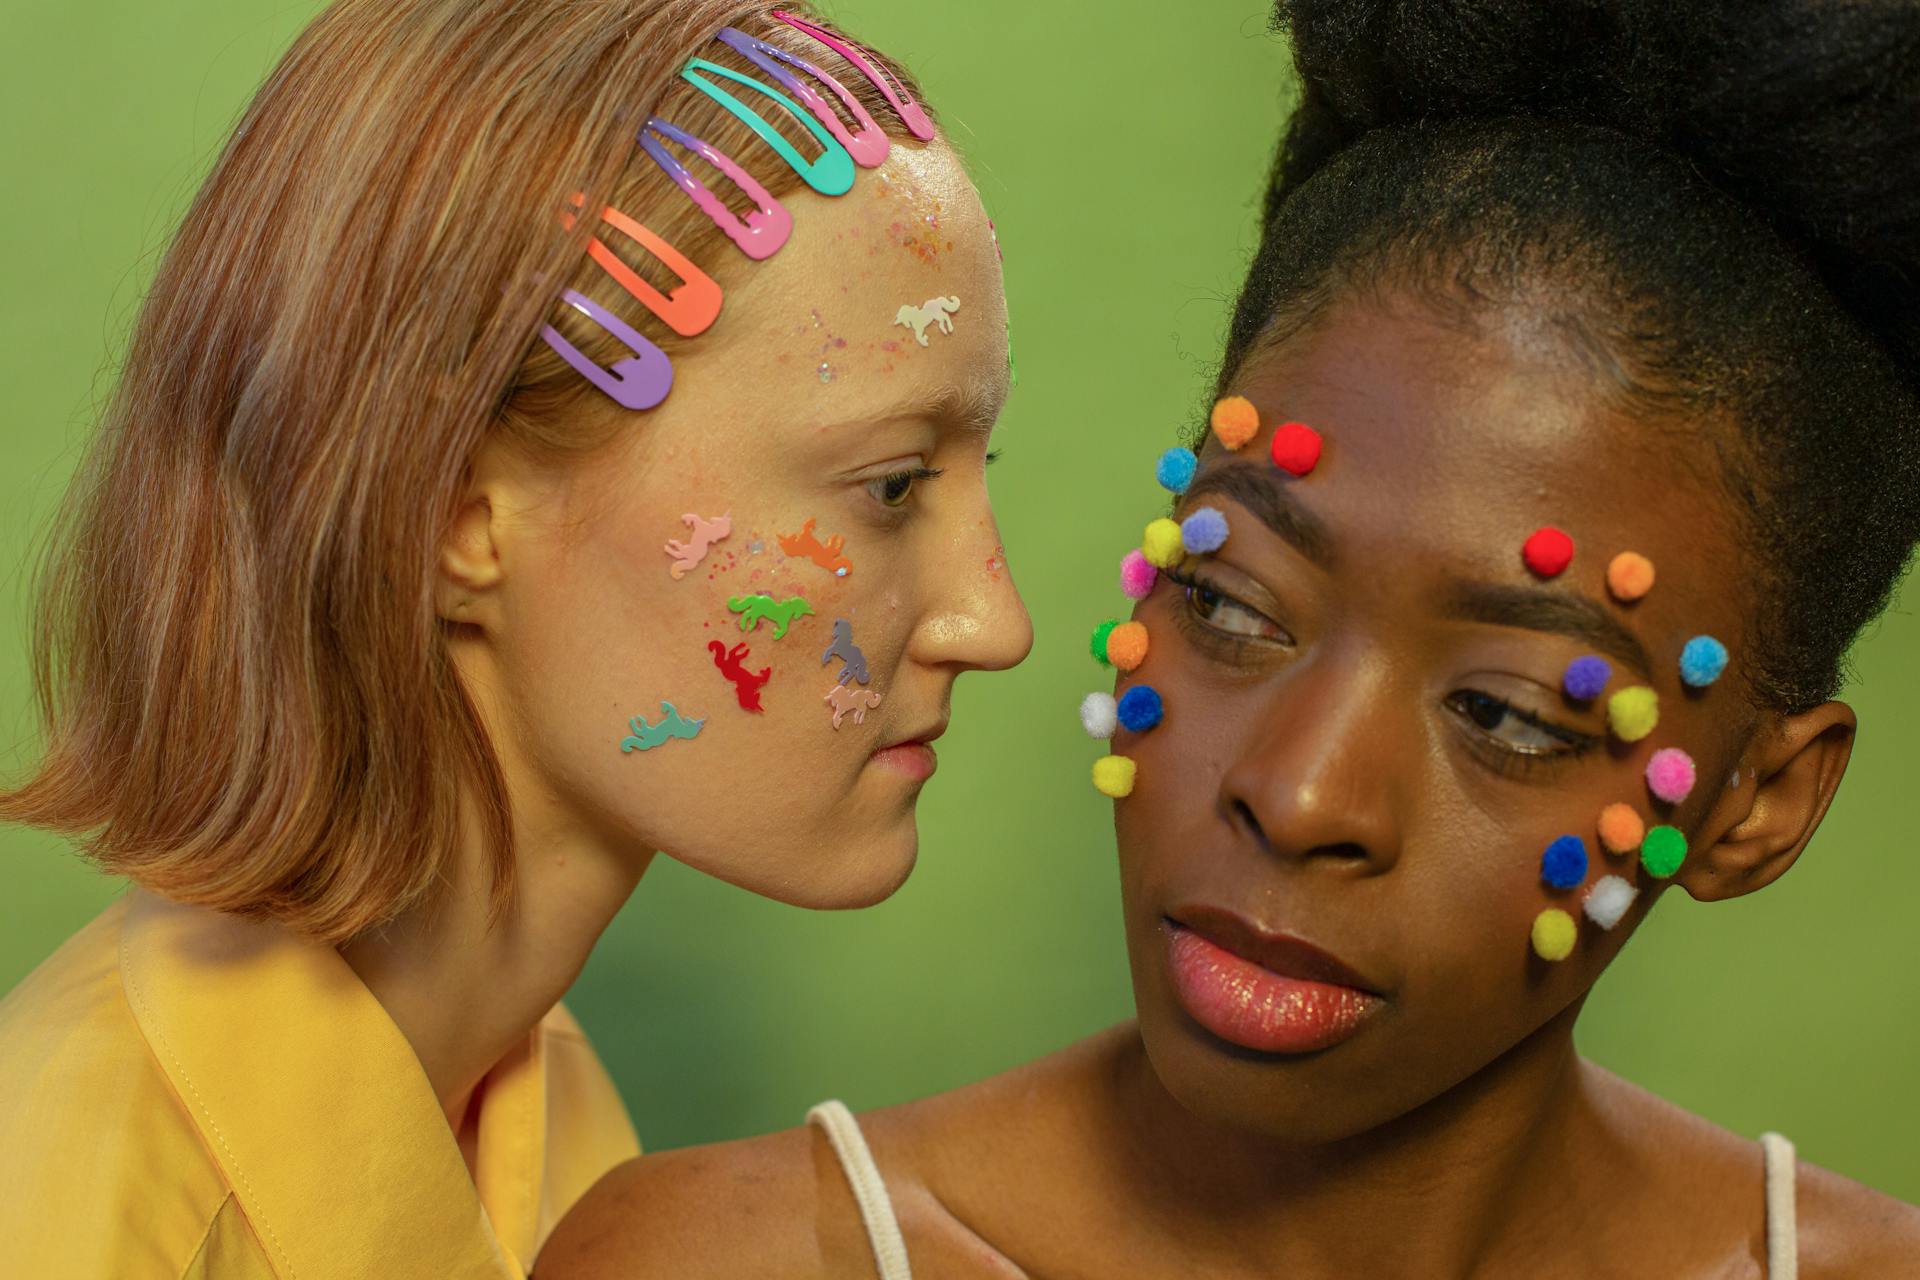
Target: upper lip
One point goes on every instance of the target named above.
(924, 738)
(1281, 953)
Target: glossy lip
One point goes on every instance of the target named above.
(915, 756)
(1261, 990)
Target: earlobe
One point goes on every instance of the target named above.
(468, 570)
(1758, 829)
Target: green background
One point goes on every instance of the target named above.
(1120, 147)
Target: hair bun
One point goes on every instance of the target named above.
(1808, 111)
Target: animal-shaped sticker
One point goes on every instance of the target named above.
(854, 668)
(931, 312)
(648, 736)
(732, 663)
(703, 534)
(753, 610)
(805, 546)
(845, 698)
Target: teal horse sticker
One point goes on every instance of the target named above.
(781, 613)
(648, 736)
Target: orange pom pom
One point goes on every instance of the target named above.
(1235, 421)
(1621, 829)
(1127, 646)
(1630, 576)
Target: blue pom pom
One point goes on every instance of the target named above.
(1586, 678)
(1176, 469)
(1203, 531)
(1564, 864)
(1141, 708)
(1703, 661)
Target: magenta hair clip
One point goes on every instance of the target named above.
(910, 112)
(689, 308)
(765, 231)
(868, 143)
(641, 381)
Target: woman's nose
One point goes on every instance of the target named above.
(977, 620)
(1316, 779)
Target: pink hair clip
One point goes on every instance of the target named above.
(690, 308)
(910, 112)
(640, 381)
(766, 229)
(868, 144)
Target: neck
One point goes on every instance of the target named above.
(466, 993)
(1437, 1191)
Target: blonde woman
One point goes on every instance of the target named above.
(446, 552)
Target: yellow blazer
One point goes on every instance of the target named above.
(186, 1094)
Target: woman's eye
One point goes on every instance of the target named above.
(1512, 728)
(1226, 614)
(894, 489)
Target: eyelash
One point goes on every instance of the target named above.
(1507, 760)
(910, 476)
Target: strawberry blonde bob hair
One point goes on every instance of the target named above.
(245, 692)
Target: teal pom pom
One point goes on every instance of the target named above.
(1703, 661)
(1176, 469)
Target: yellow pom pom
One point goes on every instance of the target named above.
(1163, 545)
(1113, 776)
(1621, 828)
(1632, 713)
(1235, 421)
(1553, 934)
(1127, 646)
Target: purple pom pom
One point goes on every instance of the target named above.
(1203, 531)
(1586, 678)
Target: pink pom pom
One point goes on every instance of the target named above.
(1137, 576)
(1670, 774)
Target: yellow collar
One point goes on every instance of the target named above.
(317, 1111)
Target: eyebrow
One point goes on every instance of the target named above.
(1531, 608)
(1261, 491)
(973, 409)
(1561, 613)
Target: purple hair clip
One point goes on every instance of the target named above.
(868, 143)
(765, 231)
(910, 112)
(640, 381)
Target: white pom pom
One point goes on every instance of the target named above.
(1608, 900)
(1101, 715)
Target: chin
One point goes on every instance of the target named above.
(861, 874)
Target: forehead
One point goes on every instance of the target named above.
(1446, 448)
(819, 322)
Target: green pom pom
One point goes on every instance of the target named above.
(1099, 645)
(1662, 852)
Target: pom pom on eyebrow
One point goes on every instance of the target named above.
(1127, 646)
(1548, 552)
(1204, 531)
(1099, 715)
(1670, 774)
(1703, 661)
(1162, 544)
(1662, 852)
(1114, 776)
(1608, 900)
(1553, 934)
(1098, 646)
(1564, 864)
(1296, 448)
(1141, 708)
(1633, 713)
(1137, 576)
(1586, 678)
(1175, 470)
(1235, 421)
(1621, 828)
(1629, 576)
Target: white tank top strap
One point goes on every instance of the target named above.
(869, 1189)
(1783, 1243)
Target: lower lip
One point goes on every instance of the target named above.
(915, 760)
(1257, 1008)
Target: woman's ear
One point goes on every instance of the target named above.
(1757, 828)
(468, 572)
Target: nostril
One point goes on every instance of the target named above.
(1245, 819)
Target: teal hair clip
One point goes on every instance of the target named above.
(830, 175)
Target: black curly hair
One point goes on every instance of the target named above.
(1718, 205)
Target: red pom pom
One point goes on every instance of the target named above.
(1296, 448)
(1548, 552)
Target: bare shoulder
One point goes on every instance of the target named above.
(1848, 1229)
(775, 1206)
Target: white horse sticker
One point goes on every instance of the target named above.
(934, 311)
